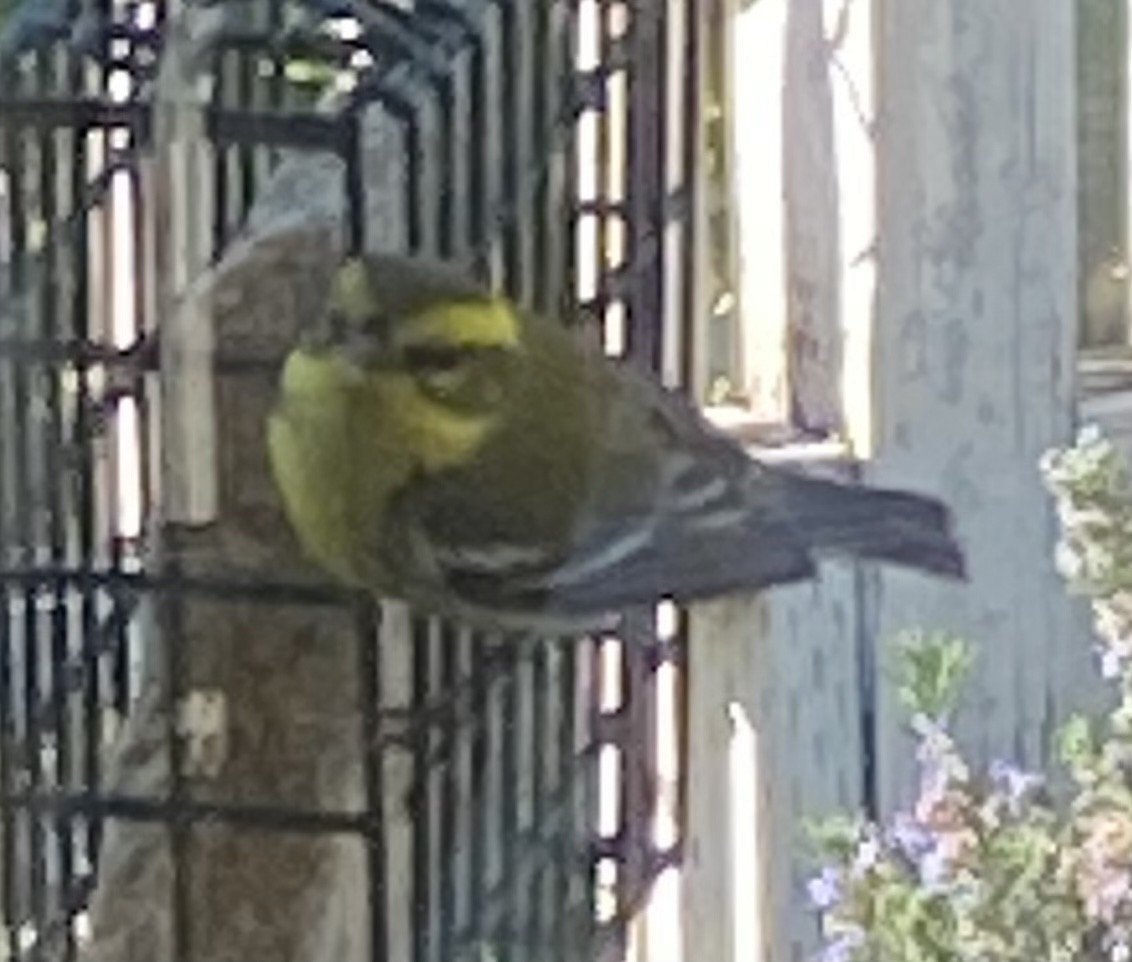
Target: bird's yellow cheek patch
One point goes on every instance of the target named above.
(438, 436)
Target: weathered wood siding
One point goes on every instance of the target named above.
(975, 338)
(787, 666)
(959, 374)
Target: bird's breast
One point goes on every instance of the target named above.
(313, 472)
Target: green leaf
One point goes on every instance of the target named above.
(930, 668)
(1075, 742)
(834, 835)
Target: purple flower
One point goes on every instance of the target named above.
(940, 866)
(1112, 661)
(867, 855)
(939, 761)
(1014, 783)
(936, 869)
(927, 727)
(825, 889)
(910, 836)
(844, 945)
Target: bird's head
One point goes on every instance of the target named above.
(387, 315)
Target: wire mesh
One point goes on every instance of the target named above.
(549, 146)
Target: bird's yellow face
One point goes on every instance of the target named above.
(430, 368)
(404, 374)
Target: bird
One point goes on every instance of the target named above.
(434, 442)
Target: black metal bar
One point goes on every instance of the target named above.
(26, 495)
(83, 469)
(508, 817)
(119, 650)
(8, 734)
(247, 93)
(222, 187)
(57, 625)
(354, 188)
(539, 909)
(450, 802)
(9, 494)
(421, 639)
(40, 112)
(646, 152)
(370, 690)
(482, 818)
(692, 164)
(564, 213)
(414, 186)
(539, 843)
(516, 156)
(163, 811)
(563, 839)
(171, 622)
(236, 587)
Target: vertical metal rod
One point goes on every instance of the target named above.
(246, 97)
(368, 638)
(646, 190)
(54, 431)
(421, 631)
(479, 176)
(221, 155)
(537, 939)
(9, 462)
(482, 820)
(27, 382)
(8, 734)
(508, 739)
(446, 217)
(448, 840)
(82, 469)
(354, 186)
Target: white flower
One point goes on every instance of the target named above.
(1088, 435)
(1070, 565)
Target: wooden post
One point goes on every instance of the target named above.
(975, 345)
(956, 381)
(774, 737)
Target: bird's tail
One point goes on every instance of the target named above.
(876, 524)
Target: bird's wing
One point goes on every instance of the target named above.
(667, 515)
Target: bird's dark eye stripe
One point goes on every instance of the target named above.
(442, 357)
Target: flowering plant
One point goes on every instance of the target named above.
(989, 866)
